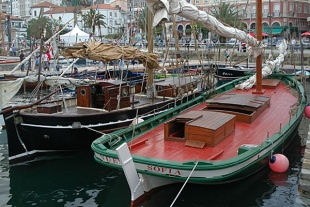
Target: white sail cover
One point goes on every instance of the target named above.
(8, 89)
(74, 36)
(161, 9)
(268, 69)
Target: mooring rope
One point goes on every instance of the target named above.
(184, 184)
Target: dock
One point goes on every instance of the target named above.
(304, 177)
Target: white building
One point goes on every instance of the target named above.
(114, 19)
(22, 8)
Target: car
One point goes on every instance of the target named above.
(233, 42)
(271, 42)
(171, 42)
(192, 43)
(161, 43)
(306, 43)
(183, 40)
(206, 43)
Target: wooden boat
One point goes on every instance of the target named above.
(299, 75)
(223, 136)
(227, 72)
(101, 106)
(224, 139)
(8, 63)
(28, 85)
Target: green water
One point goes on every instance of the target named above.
(77, 180)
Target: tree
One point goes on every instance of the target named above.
(141, 18)
(142, 21)
(36, 27)
(92, 19)
(228, 14)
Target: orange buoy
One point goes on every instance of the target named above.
(307, 111)
(278, 163)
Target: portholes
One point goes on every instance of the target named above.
(83, 92)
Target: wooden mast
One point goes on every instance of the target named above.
(149, 31)
(259, 33)
(2, 36)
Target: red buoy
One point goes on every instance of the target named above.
(307, 111)
(278, 163)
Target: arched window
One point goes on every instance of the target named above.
(276, 24)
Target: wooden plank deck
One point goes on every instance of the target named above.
(255, 133)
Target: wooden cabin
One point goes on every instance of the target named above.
(246, 107)
(200, 128)
(173, 86)
(104, 95)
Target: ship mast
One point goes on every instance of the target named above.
(2, 35)
(150, 85)
(259, 30)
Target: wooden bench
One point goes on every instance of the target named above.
(138, 143)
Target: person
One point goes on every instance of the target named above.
(11, 51)
(226, 55)
(21, 58)
(14, 50)
(48, 57)
(75, 71)
(58, 66)
(187, 43)
(33, 62)
(45, 61)
(240, 47)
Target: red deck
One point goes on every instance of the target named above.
(269, 121)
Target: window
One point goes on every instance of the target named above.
(115, 14)
(276, 7)
(110, 14)
(254, 10)
(292, 7)
(205, 1)
(306, 9)
(265, 8)
(299, 8)
(197, 1)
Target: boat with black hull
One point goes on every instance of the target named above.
(62, 124)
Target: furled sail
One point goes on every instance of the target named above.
(106, 53)
(8, 89)
(161, 9)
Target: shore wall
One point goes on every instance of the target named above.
(304, 181)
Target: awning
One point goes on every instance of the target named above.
(275, 31)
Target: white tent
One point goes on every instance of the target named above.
(74, 36)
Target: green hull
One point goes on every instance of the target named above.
(246, 163)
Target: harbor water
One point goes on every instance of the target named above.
(77, 180)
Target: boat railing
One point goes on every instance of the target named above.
(135, 130)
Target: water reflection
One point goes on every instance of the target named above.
(77, 180)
